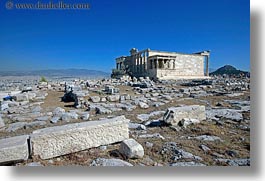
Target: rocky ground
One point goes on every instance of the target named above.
(172, 123)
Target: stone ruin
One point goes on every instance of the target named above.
(111, 90)
(74, 93)
(163, 65)
(54, 141)
(60, 140)
(70, 95)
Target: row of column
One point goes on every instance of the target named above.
(119, 66)
(141, 66)
(162, 64)
(207, 65)
(140, 62)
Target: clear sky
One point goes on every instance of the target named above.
(92, 39)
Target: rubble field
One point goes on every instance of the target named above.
(125, 122)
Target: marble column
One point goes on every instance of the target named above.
(207, 65)
(157, 63)
(133, 63)
(150, 64)
(145, 62)
(140, 63)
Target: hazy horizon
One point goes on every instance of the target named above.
(211, 69)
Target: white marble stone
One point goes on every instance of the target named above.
(131, 149)
(175, 115)
(61, 140)
(14, 149)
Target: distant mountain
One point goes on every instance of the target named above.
(228, 70)
(58, 73)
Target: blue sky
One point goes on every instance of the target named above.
(92, 39)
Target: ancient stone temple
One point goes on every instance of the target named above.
(165, 65)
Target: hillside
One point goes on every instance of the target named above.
(228, 70)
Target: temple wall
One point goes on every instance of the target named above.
(166, 65)
(185, 65)
(189, 65)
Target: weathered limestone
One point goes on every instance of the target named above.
(137, 126)
(155, 135)
(2, 123)
(186, 164)
(4, 106)
(61, 140)
(187, 122)
(184, 123)
(34, 164)
(205, 148)
(58, 111)
(111, 89)
(55, 119)
(68, 116)
(31, 95)
(176, 153)
(35, 123)
(43, 118)
(232, 114)
(85, 116)
(145, 117)
(15, 126)
(36, 109)
(109, 162)
(143, 105)
(95, 99)
(102, 110)
(21, 97)
(208, 138)
(14, 149)
(175, 115)
(131, 149)
(113, 98)
(235, 162)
